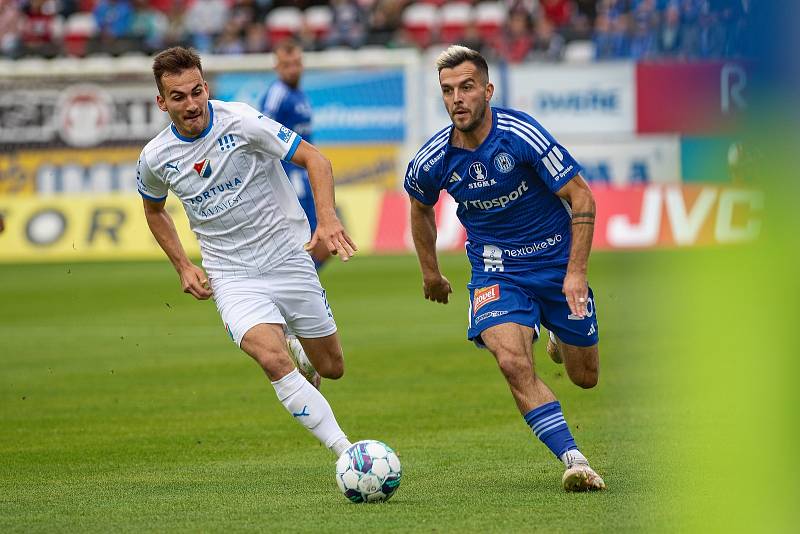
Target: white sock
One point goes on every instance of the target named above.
(340, 446)
(310, 409)
(572, 457)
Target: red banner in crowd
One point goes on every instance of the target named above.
(689, 98)
(651, 216)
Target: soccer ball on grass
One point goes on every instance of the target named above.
(368, 471)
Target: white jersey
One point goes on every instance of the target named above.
(240, 204)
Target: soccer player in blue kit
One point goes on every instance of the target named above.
(529, 218)
(287, 104)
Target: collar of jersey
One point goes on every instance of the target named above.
(202, 134)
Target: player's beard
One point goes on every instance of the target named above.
(479, 114)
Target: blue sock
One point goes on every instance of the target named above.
(549, 425)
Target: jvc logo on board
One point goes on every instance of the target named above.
(726, 215)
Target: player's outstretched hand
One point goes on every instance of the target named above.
(576, 289)
(332, 234)
(437, 289)
(195, 282)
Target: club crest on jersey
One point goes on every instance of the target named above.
(503, 162)
(203, 168)
(483, 296)
(477, 172)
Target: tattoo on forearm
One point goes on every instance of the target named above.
(582, 222)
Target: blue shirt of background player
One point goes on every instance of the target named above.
(290, 107)
(505, 191)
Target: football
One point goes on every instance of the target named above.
(368, 471)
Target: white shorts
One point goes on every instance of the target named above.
(290, 295)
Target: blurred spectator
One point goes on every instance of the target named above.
(384, 22)
(114, 19)
(68, 7)
(204, 21)
(348, 24)
(255, 39)
(472, 38)
(669, 34)
(558, 12)
(644, 38)
(634, 29)
(149, 26)
(547, 44)
(516, 40)
(610, 36)
(175, 32)
(245, 12)
(40, 28)
(582, 21)
(230, 40)
(11, 24)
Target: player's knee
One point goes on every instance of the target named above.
(274, 363)
(511, 364)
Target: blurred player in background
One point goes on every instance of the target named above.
(529, 217)
(223, 161)
(286, 103)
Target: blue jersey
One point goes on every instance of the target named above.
(505, 191)
(289, 107)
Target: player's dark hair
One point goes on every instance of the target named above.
(174, 61)
(288, 44)
(455, 55)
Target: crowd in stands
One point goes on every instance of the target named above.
(504, 30)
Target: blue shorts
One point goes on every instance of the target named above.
(298, 177)
(529, 299)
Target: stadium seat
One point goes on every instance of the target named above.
(318, 20)
(419, 24)
(283, 22)
(455, 18)
(579, 52)
(79, 29)
(490, 17)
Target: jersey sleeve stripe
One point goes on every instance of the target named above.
(530, 128)
(293, 148)
(422, 153)
(501, 126)
(435, 148)
(152, 199)
(556, 162)
(274, 98)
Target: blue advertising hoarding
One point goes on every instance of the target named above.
(348, 105)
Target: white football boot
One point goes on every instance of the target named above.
(578, 475)
(552, 349)
(301, 361)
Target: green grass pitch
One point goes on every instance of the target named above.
(125, 407)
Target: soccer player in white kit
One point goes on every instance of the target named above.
(223, 161)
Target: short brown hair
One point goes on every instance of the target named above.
(174, 61)
(455, 55)
(288, 44)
